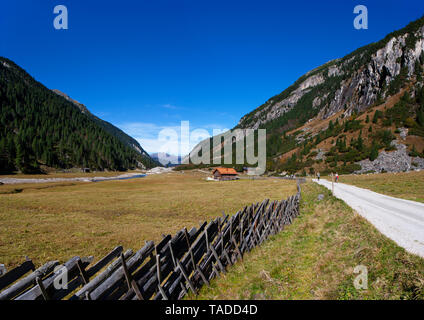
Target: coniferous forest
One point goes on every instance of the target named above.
(40, 128)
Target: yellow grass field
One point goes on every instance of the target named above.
(56, 221)
(407, 185)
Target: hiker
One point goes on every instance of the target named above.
(318, 175)
(337, 177)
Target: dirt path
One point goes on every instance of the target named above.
(398, 219)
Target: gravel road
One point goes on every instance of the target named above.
(398, 219)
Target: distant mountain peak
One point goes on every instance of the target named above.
(166, 159)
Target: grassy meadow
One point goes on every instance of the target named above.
(405, 185)
(315, 257)
(312, 259)
(56, 221)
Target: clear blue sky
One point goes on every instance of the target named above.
(143, 65)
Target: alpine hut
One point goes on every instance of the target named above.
(225, 174)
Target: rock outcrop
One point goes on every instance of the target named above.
(353, 83)
(395, 161)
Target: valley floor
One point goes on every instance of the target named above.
(56, 221)
(312, 259)
(315, 258)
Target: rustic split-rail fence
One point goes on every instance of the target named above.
(167, 270)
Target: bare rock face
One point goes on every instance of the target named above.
(320, 155)
(335, 71)
(417, 163)
(273, 110)
(395, 161)
(403, 133)
(361, 78)
(319, 100)
(362, 89)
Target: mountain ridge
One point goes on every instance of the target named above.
(121, 135)
(45, 128)
(348, 86)
(343, 68)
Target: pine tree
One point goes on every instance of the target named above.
(360, 144)
(420, 117)
(331, 126)
(374, 152)
(20, 156)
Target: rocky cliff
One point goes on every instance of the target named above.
(352, 83)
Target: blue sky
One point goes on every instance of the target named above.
(146, 65)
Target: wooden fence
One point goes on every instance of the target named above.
(167, 270)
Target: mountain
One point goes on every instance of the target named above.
(166, 159)
(323, 121)
(41, 127)
(121, 135)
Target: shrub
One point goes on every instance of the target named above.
(385, 137)
(410, 122)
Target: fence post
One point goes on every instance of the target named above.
(223, 250)
(42, 288)
(82, 272)
(190, 284)
(189, 248)
(130, 282)
(159, 277)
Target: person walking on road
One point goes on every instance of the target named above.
(318, 176)
(337, 177)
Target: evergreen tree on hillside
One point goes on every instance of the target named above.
(39, 127)
(374, 151)
(420, 116)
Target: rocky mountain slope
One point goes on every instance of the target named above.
(40, 129)
(353, 83)
(321, 122)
